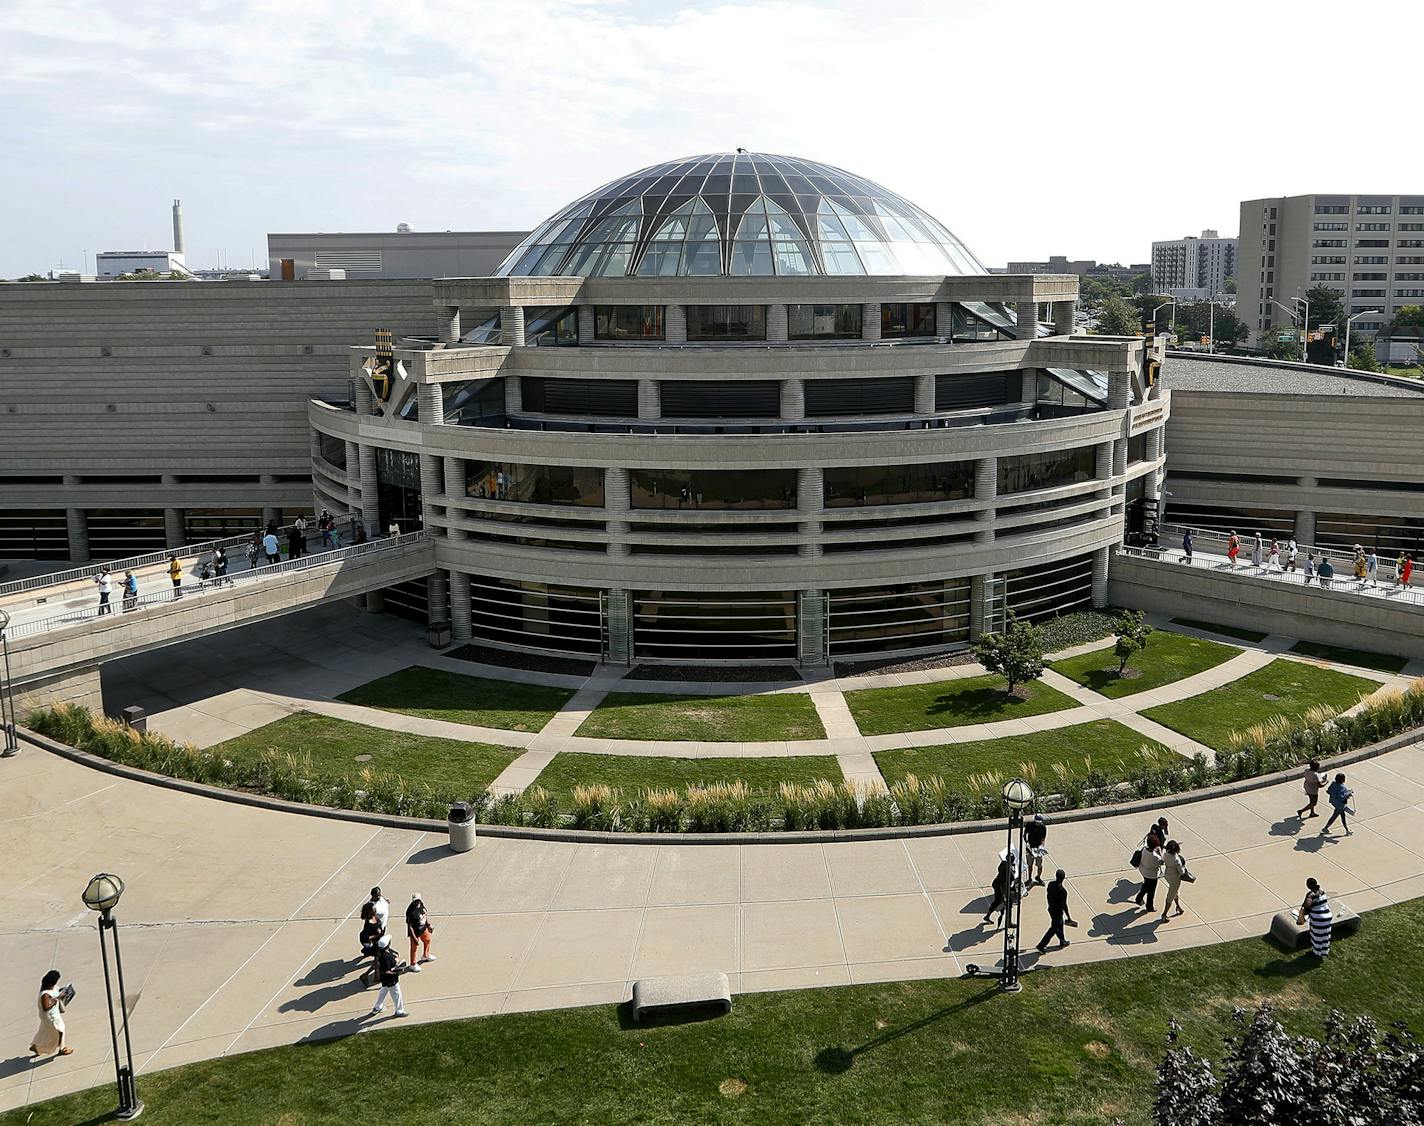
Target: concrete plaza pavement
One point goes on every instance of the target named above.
(239, 924)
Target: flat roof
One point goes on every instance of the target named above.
(1243, 376)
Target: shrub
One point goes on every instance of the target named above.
(1016, 654)
(1077, 628)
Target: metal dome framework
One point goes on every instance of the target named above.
(741, 214)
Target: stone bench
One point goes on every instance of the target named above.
(1289, 934)
(683, 991)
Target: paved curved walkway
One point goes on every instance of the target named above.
(239, 923)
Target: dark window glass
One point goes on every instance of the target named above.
(851, 485)
(1047, 591)
(479, 402)
(713, 488)
(535, 484)
(963, 392)
(608, 398)
(900, 319)
(219, 523)
(899, 617)
(829, 397)
(726, 322)
(1020, 473)
(816, 322)
(628, 322)
(115, 533)
(550, 326)
(1137, 449)
(333, 450)
(397, 467)
(716, 625)
(33, 534)
(533, 615)
(707, 398)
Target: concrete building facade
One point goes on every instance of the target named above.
(1193, 268)
(1369, 247)
(390, 254)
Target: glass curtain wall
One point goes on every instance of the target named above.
(901, 319)
(852, 485)
(893, 618)
(713, 488)
(714, 626)
(535, 484)
(824, 322)
(1020, 473)
(726, 322)
(1050, 590)
(628, 322)
(561, 619)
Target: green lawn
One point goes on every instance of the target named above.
(436, 694)
(1212, 717)
(1225, 631)
(1078, 1047)
(1168, 657)
(1358, 657)
(1109, 745)
(735, 719)
(948, 703)
(633, 773)
(338, 747)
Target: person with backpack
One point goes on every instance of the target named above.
(371, 932)
(1174, 871)
(388, 963)
(1339, 796)
(419, 929)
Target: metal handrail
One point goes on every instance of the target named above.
(1171, 535)
(133, 562)
(116, 611)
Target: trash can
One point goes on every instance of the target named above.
(462, 827)
(439, 635)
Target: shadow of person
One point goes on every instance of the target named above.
(1125, 927)
(327, 972)
(18, 1064)
(1313, 843)
(1302, 963)
(335, 1030)
(318, 999)
(1123, 891)
(839, 1059)
(1286, 827)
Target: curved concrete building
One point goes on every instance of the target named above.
(748, 408)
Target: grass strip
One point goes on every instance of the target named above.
(949, 703)
(712, 719)
(635, 773)
(457, 698)
(1168, 657)
(1383, 662)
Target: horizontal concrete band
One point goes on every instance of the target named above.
(585, 836)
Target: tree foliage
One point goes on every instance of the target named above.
(1408, 316)
(1362, 357)
(1132, 632)
(1327, 306)
(1016, 654)
(1352, 1074)
(1118, 317)
(1195, 320)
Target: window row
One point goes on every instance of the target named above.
(748, 322)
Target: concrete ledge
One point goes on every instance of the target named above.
(1290, 935)
(684, 991)
(589, 836)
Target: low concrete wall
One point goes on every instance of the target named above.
(1332, 617)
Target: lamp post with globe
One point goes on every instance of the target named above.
(102, 895)
(9, 743)
(1018, 796)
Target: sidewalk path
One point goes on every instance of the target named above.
(239, 923)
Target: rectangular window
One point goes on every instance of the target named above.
(720, 398)
(1375, 243)
(711, 489)
(1408, 277)
(1411, 209)
(820, 322)
(333, 450)
(1332, 226)
(1407, 243)
(1411, 226)
(1370, 277)
(965, 392)
(1328, 242)
(1327, 260)
(900, 319)
(1409, 260)
(535, 484)
(1367, 293)
(1373, 209)
(609, 398)
(1331, 209)
(1371, 259)
(1371, 226)
(628, 322)
(1327, 277)
(836, 397)
(1409, 292)
(726, 322)
(851, 486)
(1019, 473)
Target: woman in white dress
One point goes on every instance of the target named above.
(50, 1037)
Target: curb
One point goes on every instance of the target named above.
(590, 836)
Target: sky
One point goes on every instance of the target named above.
(1034, 128)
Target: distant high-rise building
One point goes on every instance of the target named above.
(1192, 267)
(1369, 247)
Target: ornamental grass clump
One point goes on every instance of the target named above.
(543, 808)
(595, 806)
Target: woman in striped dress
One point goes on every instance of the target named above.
(1316, 909)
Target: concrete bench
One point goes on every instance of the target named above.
(1289, 934)
(683, 991)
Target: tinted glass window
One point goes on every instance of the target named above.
(907, 319)
(706, 398)
(535, 484)
(628, 322)
(812, 322)
(607, 398)
(713, 488)
(852, 485)
(829, 397)
(1024, 472)
(726, 322)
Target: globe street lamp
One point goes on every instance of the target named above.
(10, 744)
(1018, 796)
(102, 895)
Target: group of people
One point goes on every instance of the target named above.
(1319, 569)
(386, 966)
(104, 580)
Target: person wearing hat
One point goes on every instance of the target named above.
(419, 929)
(390, 969)
(1035, 833)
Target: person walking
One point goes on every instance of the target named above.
(1359, 568)
(390, 971)
(1174, 871)
(299, 525)
(1399, 570)
(295, 542)
(1273, 557)
(269, 546)
(49, 1039)
(220, 567)
(130, 591)
(381, 907)
(1148, 858)
(1325, 573)
(325, 524)
(1313, 780)
(1233, 548)
(175, 572)
(371, 931)
(1408, 574)
(1257, 552)
(253, 550)
(1187, 545)
(1035, 833)
(1372, 567)
(106, 588)
(1292, 553)
(1315, 909)
(419, 929)
(1309, 570)
(1000, 887)
(1057, 893)
(1339, 796)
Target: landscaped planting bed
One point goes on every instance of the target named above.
(474, 700)
(1383, 662)
(949, 703)
(634, 773)
(737, 719)
(1168, 657)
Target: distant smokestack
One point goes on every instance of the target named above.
(177, 226)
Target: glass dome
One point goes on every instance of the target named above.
(739, 214)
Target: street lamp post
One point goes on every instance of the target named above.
(11, 741)
(1172, 301)
(1348, 322)
(102, 895)
(1294, 314)
(1211, 325)
(1304, 330)
(1018, 796)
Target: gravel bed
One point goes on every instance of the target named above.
(726, 674)
(531, 662)
(918, 664)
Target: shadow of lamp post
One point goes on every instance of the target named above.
(102, 895)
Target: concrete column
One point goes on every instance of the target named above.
(77, 526)
(870, 321)
(1028, 385)
(585, 324)
(461, 628)
(944, 318)
(675, 324)
(649, 402)
(776, 324)
(447, 319)
(370, 505)
(617, 502)
(365, 400)
(353, 475)
(811, 630)
(1102, 471)
(619, 625)
(1119, 390)
(513, 395)
(1100, 577)
(454, 487)
(1027, 314)
(175, 533)
(793, 399)
(430, 404)
(1119, 490)
(511, 326)
(978, 606)
(1152, 483)
(986, 487)
(1063, 317)
(1305, 528)
(375, 602)
(432, 478)
(437, 598)
(924, 394)
(810, 503)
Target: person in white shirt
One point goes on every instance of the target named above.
(106, 587)
(270, 548)
(380, 906)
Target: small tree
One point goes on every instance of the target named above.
(1186, 1087)
(1132, 634)
(1408, 316)
(1118, 317)
(1016, 654)
(1362, 357)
